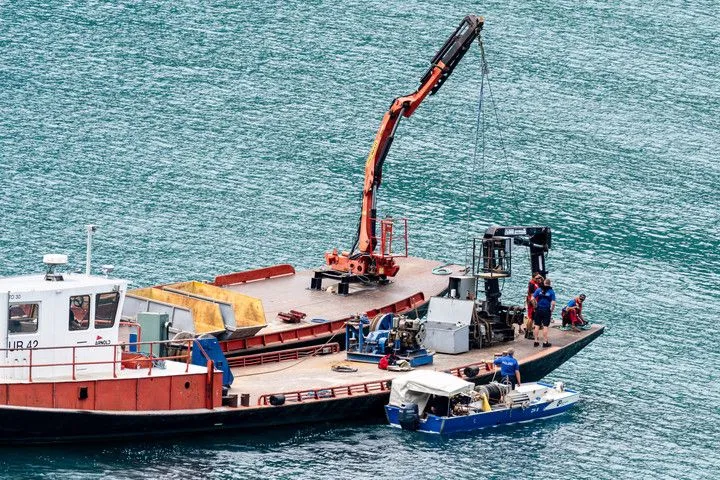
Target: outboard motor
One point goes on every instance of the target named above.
(409, 418)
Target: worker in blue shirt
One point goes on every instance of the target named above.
(509, 368)
(544, 301)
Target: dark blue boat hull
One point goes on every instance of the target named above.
(468, 423)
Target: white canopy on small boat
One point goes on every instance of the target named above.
(417, 386)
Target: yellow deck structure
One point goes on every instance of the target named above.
(248, 310)
(206, 315)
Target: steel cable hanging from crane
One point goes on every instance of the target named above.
(479, 130)
(499, 128)
(480, 145)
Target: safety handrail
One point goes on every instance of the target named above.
(325, 393)
(124, 344)
(187, 344)
(282, 355)
(388, 235)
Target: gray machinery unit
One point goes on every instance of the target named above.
(463, 287)
(489, 321)
(493, 262)
(448, 324)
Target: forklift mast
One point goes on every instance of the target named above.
(494, 262)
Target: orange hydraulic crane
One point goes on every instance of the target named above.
(363, 260)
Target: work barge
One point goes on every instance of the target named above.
(87, 359)
(95, 386)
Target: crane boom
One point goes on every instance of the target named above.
(362, 259)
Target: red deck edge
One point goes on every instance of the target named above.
(401, 306)
(253, 275)
(283, 355)
(177, 391)
(309, 332)
(328, 392)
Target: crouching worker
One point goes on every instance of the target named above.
(509, 368)
(387, 361)
(572, 313)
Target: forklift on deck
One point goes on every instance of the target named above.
(492, 261)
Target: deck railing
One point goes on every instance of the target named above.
(329, 392)
(125, 358)
(393, 233)
(283, 355)
(376, 386)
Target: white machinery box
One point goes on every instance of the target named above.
(448, 325)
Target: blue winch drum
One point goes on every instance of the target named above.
(409, 418)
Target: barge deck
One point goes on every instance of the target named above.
(282, 289)
(312, 378)
(292, 292)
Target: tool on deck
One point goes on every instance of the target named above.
(293, 316)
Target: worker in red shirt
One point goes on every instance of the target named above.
(387, 360)
(534, 283)
(572, 313)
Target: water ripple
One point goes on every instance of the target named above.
(208, 138)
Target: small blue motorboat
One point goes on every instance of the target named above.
(437, 402)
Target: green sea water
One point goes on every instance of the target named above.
(209, 137)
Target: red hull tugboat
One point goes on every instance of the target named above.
(64, 360)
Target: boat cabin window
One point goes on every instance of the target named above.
(106, 305)
(79, 312)
(23, 317)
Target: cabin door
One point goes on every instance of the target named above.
(21, 325)
(80, 330)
